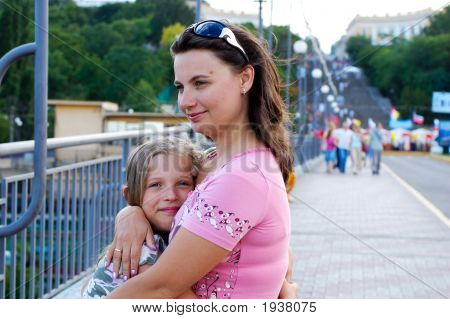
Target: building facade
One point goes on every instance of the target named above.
(381, 29)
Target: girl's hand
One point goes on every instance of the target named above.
(131, 230)
(288, 290)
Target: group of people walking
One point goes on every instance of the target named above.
(348, 141)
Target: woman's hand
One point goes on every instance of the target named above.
(131, 230)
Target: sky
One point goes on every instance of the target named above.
(328, 19)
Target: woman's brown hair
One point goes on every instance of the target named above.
(267, 113)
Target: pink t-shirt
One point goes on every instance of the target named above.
(242, 207)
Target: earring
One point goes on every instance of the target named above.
(244, 91)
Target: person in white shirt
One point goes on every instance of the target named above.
(343, 143)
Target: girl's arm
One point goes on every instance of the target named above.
(132, 229)
(185, 261)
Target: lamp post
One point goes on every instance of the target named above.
(317, 75)
(197, 11)
(300, 48)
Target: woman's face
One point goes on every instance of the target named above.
(209, 92)
(169, 182)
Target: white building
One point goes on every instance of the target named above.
(381, 29)
(209, 13)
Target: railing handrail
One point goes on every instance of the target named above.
(40, 113)
(14, 148)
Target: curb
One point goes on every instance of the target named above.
(442, 158)
(406, 153)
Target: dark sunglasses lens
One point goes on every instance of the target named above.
(209, 29)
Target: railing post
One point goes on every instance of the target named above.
(40, 114)
(3, 203)
(125, 153)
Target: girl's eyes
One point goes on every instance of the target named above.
(184, 183)
(180, 183)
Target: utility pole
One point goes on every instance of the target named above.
(288, 68)
(260, 28)
(270, 37)
(197, 11)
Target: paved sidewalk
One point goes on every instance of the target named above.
(366, 237)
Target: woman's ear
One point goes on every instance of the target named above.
(125, 192)
(247, 76)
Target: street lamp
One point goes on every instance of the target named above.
(325, 89)
(330, 98)
(300, 48)
(316, 74)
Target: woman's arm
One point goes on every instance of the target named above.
(289, 288)
(132, 229)
(185, 261)
(189, 294)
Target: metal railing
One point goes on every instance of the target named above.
(40, 50)
(306, 148)
(75, 221)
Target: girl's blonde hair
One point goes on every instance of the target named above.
(139, 161)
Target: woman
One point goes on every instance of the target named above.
(235, 226)
(330, 147)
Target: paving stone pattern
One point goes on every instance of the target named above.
(366, 236)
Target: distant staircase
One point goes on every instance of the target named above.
(366, 101)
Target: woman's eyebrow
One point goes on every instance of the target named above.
(194, 78)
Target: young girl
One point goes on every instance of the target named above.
(160, 175)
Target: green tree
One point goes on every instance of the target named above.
(168, 13)
(170, 33)
(127, 75)
(142, 99)
(100, 38)
(16, 90)
(440, 23)
(4, 128)
(356, 46)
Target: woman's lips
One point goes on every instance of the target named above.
(194, 117)
(170, 210)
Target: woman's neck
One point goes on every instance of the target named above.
(235, 141)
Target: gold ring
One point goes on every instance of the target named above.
(118, 250)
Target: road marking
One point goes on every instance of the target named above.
(436, 211)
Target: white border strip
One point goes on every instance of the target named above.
(436, 211)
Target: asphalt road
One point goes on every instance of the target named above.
(429, 176)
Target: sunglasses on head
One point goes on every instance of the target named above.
(217, 30)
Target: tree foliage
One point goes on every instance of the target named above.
(117, 52)
(408, 71)
(111, 52)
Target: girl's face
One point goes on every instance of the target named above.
(209, 92)
(169, 181)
